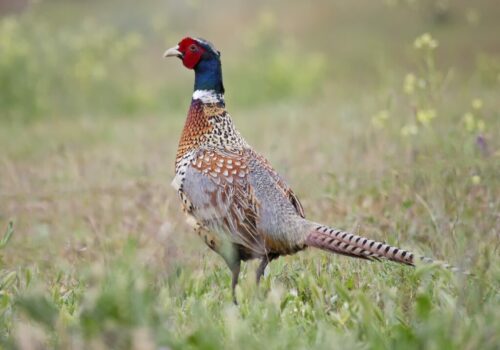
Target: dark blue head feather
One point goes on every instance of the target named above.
(208, 71)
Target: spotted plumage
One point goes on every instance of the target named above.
(236, 202)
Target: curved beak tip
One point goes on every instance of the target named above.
(173, 52)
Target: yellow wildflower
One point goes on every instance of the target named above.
(469, 121)
(425, 116)
(477, 103)
(480, 125)
(409, 130)
(425, 41)
(378, 120)
(476, 179)
(409, 84)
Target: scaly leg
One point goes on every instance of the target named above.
(235, 270)
(262, 267)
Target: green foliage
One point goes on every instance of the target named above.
(39, 309)
(8, 234)
(488, 68)
(125, 306)
(273, 69)
(47, 71)
(91, 68)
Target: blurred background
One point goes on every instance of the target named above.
(383, 115)
(63, 59)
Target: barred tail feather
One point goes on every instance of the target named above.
(338, 246)
(336, 241)
(345, 243)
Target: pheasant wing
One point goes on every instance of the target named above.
(221, 197)
(282, 185)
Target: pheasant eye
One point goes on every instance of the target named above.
(193, 47)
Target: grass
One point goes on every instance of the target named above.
(99, 256)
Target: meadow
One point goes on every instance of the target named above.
(384, 116)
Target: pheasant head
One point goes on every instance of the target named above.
(201, 56)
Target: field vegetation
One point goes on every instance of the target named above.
(384, 116)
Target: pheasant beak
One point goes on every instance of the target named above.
(173, 52)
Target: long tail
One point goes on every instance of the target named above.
(345, 243)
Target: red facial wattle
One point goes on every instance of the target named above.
(191, 52)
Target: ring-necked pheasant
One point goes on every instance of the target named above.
(235, 200)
